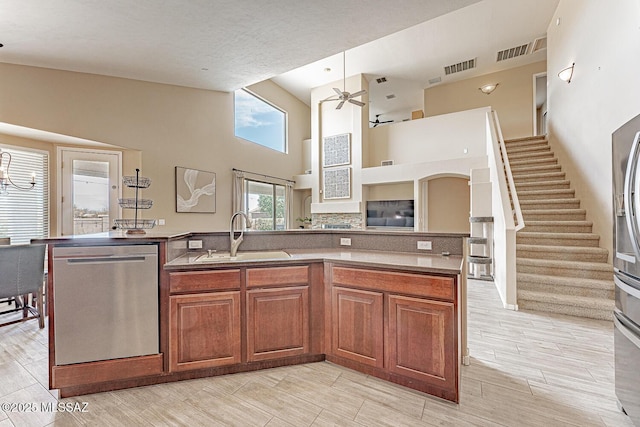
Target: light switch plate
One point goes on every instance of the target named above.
(195, 244)
(424, 245)
(345, 241)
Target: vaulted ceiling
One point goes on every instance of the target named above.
(228, 44)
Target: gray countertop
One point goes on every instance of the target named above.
(398, 260)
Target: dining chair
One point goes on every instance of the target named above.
(22, 275)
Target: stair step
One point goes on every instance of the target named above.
(557, 239)
(543, 185)
(563, 253)
(541, 147)
(550, 204)
(566, 285)
(554, 215)
(593, 308)
(534, 155)
(537, 177)
(575, 269)
(559, 226)
(536, 169)
(562, 193)
(520, 142)
(517, 164)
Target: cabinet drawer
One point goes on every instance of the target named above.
(200, 281)
(277, 276)
(405, 283)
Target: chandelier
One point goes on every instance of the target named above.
(5, 178)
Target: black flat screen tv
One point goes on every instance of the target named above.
(390, 213)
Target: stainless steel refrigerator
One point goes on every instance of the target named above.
(626, 262)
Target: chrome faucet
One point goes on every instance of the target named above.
(234, 243)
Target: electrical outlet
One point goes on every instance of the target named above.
(195, 244)
(345, 241)
(161, 221)
(424, 245)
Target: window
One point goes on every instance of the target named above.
(24, 215)
(260, 122)
(266, 205)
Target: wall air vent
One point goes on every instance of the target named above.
(435, 80)
(386, 163)
(391, 96)
(460, 66)
(381, 80)
(539, 44)
(512, 52)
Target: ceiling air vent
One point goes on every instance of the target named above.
(539, 44)
(391, 96)
(435, 80)
(381, 80)
(460, 66)
(512, 52)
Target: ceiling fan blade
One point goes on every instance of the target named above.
(357, 94)
(358, 103)
(340, 105)
(338, 91)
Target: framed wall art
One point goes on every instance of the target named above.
(337, 183)
(336, 150)
(195, 190)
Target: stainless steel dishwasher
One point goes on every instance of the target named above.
(105, 302)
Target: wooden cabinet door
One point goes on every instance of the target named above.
(277, 322)
(357, 329)
(204, 330)
(422, 340)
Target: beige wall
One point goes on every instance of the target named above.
(512, 99)
(170, 125)
(395, 191)
(448, 205)
(599, 37)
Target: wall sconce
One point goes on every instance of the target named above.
(5, 179)
(566, 73)
(488, 88)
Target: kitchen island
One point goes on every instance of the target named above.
(393, 314)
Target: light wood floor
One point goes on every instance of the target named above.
(527, 369)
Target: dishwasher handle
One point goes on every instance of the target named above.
(105, 259)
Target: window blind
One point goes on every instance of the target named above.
(24, 215)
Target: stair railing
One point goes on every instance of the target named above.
(515, 202)
(504, 209)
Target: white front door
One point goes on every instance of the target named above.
(90, 187)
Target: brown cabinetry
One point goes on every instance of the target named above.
(422, 340)
(204, 327)
(397, 326)
(357, 325)
(277, 312)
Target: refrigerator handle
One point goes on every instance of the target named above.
(628, 330)
(629, 193)
(626, 288)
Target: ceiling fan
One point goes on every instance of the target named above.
(378, 122)
(343, 95)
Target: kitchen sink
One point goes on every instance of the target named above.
(241, 256)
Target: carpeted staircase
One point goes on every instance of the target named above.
(560, 267)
